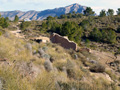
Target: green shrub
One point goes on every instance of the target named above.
(96, 34)
(24, 25)
(118, 30)
(110, 12)
(118, 11)
(97, 68)
(50, 18)
(102, 13)
(108, 36)
(0, 33)
(16, 19)
(89, 11)
(3, 22)
(70, 29)
(85, 24)
(87, 42)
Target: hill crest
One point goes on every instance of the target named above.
(40, 15)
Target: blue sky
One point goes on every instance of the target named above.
(38, 5)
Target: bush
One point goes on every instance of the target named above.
(96, 34)
(87, 42)
(118, 11)
(85, 24)
(118, 30)
(108, 36)
(97, 68)
(70, 29)
(102, 13)
(50, 18)
(28, 46)
(71, 73)
(48, 65)
(110, 12)
(0, 33)
(89, 11)
(24, 25)
(3, 22)
(16, 19)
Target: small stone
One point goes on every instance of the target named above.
(7, 34)
(1, 85)
(45, 48)
(93, 61)
(29, 47)
(57, 86)
(46, 56)
(38, 55)
(119, 84)
(76, 56)
(34, 52)
(48, 66)
(41, 52)
(64, 70)
(52, 59)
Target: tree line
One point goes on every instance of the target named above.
(88, 12)
(77, 32)
(4, 22)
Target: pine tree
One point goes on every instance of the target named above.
(118, 12)
(96, 34)
(89, 11)
(110, 12)
(102, 13)
(16, 18)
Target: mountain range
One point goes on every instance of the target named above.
(40, 15)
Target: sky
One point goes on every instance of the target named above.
(38, 5)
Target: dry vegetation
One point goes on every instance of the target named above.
(28, 65)
(46, 66)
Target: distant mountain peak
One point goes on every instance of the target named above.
(40, 15)
(76, 4)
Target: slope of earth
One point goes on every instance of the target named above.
(44, 66)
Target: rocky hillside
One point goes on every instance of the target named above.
(40, 15)
(27, 65)
(30, 61)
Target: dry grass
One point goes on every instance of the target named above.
(58, 52)
(14, 49)
(12, 79)
(44, 81)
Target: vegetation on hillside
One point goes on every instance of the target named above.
(16, 19)
(28, 65)
(24, 25)
(4, 22)
(33, 66)
(78, 27)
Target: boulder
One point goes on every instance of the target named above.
(64, 42)
(28, 46)
(48, 65)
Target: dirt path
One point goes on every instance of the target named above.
(105, 57)
(18, 34)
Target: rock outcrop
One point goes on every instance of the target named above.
(64, 42)
(40, 39)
